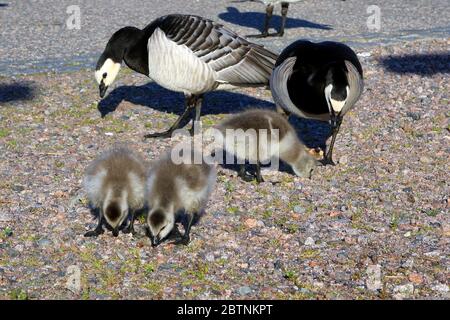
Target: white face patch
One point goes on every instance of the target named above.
(335, 104)
(111, 69)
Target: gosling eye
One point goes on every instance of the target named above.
(105, 75)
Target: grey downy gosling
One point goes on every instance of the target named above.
(187, 54)
(115, 187)
(320, 81)
(173, 188)
(287, 147)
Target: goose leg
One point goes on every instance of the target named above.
(186, 237)
(259, 178)
(130, 227)
(98, 230)
(284, 11)
(243, 175)
(329, 156)
(198, 113)
(265, 33)
(175, 126)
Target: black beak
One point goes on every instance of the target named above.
(102, 88)
(115, 232)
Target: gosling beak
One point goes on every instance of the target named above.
(102, 88)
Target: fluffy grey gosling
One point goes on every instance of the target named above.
(115, 186)
(172, 188)
(287, 147)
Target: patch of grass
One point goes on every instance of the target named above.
(431, 212)
(4, 133)
(267, 214)
(232, 210)
(289, 274)
(59, 164)
(6, 232)
(18, 294)
(149, 268)
(394, 221)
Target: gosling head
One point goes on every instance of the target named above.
(115, 211)
(305, 166)
(160, 225)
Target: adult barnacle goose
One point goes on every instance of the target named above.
(115, 186)
(321, 81)
(185, 53)
(270, 4)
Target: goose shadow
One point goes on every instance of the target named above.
(421, 64)
(2, 5)
(17, 91)
(158, 98)
(255, 20)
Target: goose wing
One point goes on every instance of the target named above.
(280, 93)
(356, 85)
(235, 60)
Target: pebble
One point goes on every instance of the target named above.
(209, 257)
(440, 287)
(299, 209)
(244, 290)
(425, 159)
(343, 160)
(309, 241)
(373, 281)
(44, 242)
(404, 291)
(415, 278)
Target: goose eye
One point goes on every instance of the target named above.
(105, 75)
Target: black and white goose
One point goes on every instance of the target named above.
(320, 81)
(188, 54)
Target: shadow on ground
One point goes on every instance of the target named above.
(313, 133)
(255, 20)
(4, 5)
(421, 64)
(20, 91)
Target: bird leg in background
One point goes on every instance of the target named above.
(198, 112)
(259, 178)
(130, 227)
(265, 33)
(284, 11)
(328, 158)
(190, 103)
(98, 230)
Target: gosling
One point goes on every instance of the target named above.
(256, 150)
(115, 187)
(173, 188)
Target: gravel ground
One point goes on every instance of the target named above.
(35, 37)
(375, 226)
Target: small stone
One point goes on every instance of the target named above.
(408, 264)
(334, 214)
(19, 248)
(407, 234)
(373, 281)
(413, 115)
(440, 287)
(343, 160)
(251, 223)
(244, 290)
(299, 209)
(18, 188)
(404, 291)
(209, 257)
(415, 278)
(425, 159)
(44, 242)
(109, 134)
(309, 241)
